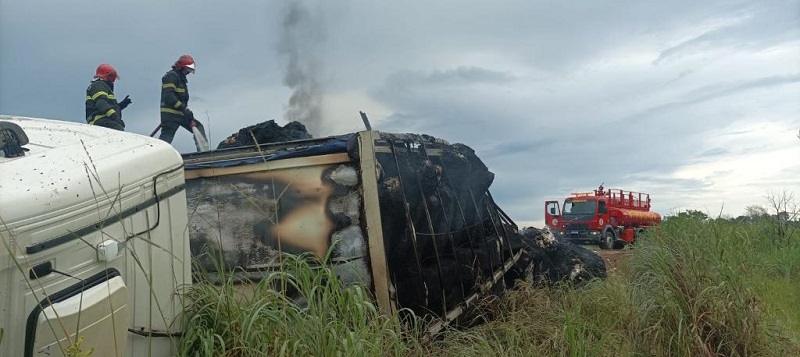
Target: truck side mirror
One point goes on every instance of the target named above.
(552, 210)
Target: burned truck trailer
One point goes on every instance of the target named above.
(96, 235)
(409, 216)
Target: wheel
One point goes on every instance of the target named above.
(608, 239)
(638, 234)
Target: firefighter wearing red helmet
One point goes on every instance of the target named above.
(175, 100)
(102, 108)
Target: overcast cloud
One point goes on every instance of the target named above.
(697, 103)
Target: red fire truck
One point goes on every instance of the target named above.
(610, 218)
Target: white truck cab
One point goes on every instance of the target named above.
(95, 252)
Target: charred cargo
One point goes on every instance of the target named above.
(97, 235)
(409, 216)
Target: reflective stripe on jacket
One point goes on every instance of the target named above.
(174, 94)
(100, 102)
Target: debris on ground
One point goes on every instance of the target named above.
(556, 261)
(612, 258)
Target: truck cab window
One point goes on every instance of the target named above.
(551, 207)
(601, 207)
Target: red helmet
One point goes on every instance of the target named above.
(105, 71)
(185, 61)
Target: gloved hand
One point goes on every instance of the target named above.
(124, 103)
(188, 114)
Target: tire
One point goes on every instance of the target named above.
(638, 234)
(608, 239)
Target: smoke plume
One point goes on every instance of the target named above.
(300, 41)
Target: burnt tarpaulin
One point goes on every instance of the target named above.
(325, 146)
(546, 260)
(443, 233)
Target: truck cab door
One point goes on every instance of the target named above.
(552, 214)
(95, 308)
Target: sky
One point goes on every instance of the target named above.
(695, 102)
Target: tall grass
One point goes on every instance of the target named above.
(301, 310)
(693, 292)
(690, 288)
(561, 321)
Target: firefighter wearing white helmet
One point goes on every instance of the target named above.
(175, 100)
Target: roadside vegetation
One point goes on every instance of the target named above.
(301, 310)
(693, 287)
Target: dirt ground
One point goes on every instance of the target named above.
(612, 258)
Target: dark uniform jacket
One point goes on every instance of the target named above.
(174, 97)
(101, 103)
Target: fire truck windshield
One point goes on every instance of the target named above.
(580, 208)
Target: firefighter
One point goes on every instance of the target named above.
(175, 100)
(102, 108)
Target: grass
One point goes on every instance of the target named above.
(690, 294)
(318, 316)
(691, 288)
(562, 321)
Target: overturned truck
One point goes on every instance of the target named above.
(96, 236)
(409, 216)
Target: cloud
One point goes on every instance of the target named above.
(521, 147)
(714, 152)
(712, 92)
(460, 76)
(693, 102)
(752, 27)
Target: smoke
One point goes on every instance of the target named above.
(300, 42)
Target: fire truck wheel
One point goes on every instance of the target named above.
(608, 239)
(638, 234)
